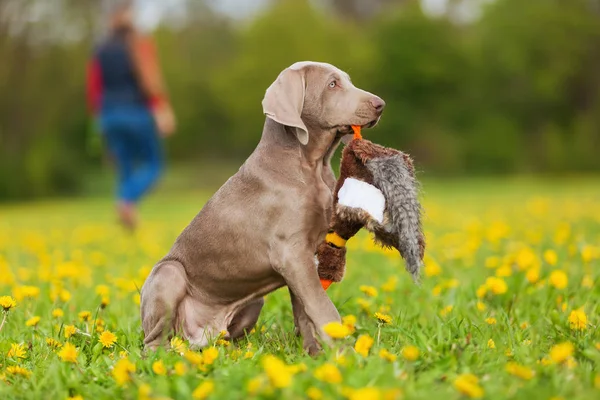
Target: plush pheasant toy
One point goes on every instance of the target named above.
(377, 190)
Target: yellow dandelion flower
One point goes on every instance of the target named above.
(386, 355)
(17, 350)
(370, 291)
(209, 355)
(571, 363)
(68, 353)
(367, 393)
(313, 393)
(144, 392)
(57, 313)
(561, 352)
(587, 282)
(410, 353)
(392, 394)
(390, 284)
(519, 371)
(525, 258)
(533, 275)
(481, 306)
(108, 339)
(337, 330)
(436, 291)
(254, 385)
(491, 321)
(102, 290)
(104, 302)
(524, 325)
(432, 268)
(203, 390)
(178, 345)
(496, 285)
(158, 367)
(193, 357)
(18, 371)
(85, 316)
(481, 291)
(7, 303)
(491, 344)
(70, 330)
(123, 371)
(248, 355)
(76, 397)
(588, 253)
(508, 353)
(551, 257)
(558, 279)
(328, 373)
(492, 262)
(349, 321)
(597, 381)
(504, 271)
(363, 345)
(446, 310)
(53, 343)
(468, 384)
(364, 304)
(383, 318)
(341, 360)
(578, 320)
(222, 342)
(33, 321)
(277, 371)
(180, 368)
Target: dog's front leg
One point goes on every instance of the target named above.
(301, 277)
(304, 327)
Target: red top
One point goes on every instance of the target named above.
(94, 86)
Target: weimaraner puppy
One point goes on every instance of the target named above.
(260, 230)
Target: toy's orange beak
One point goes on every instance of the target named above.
(326, 283)
(356, 129)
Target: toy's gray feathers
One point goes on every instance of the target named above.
(402, 228)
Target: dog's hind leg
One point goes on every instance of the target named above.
(245, 319)
(161, 294)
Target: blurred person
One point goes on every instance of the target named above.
(127, 96)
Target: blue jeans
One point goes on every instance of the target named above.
(132, 139)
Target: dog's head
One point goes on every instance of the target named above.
(319, 96)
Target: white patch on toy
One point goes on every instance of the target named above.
(358, 194)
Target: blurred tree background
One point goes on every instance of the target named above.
(484, 86)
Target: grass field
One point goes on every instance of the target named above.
(508, 306)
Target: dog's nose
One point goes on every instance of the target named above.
(378, 104)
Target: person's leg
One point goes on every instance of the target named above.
(148, 155)
(118, 143)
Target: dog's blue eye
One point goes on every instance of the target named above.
(332, 84)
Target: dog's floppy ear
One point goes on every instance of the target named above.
(284, 101)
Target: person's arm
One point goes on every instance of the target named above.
(148, 70)
(94, 86)
(150, 78)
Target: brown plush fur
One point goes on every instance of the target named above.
(332, 262)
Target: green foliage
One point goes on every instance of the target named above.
(515, 90)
